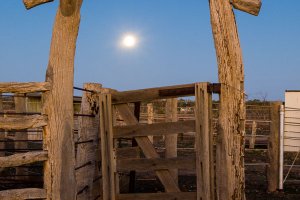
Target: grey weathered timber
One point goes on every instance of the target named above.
(231, 128)
(59, 170)
(171, 140)
(156, 163)
(149, 151)
(157, 129)
(22, 122)
(21, 194)
(150, 119)
(20, 107)
(249, 6)
(153, 93)
(23, 158)
(86, 150)
(33, 3)
(159, 196)
(204, 143)
(128, 152)
(30, 87)
(107, 148)
(273, 148)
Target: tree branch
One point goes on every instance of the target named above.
(33, 3)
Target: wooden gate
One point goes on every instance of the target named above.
(203, 163)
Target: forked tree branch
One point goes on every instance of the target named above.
(33, 3)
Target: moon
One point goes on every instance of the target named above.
(129, 41)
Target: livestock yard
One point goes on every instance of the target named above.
(165, 143)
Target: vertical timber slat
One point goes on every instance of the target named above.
(20, 107)
(150, 117)
(2, 132)
(171, 140)
(88, 131)
(107, 148)
(204, 143)
(273, 150)
(231, 128)
(253, 135)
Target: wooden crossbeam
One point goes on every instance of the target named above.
(33, 3)
(23, 158)
(147, 147)
(157, 129)
(29, 87)
(20, 194)
(156, 163)
(159, 196)
(23, 122)
(249, 6)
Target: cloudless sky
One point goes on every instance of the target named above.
(175, 44)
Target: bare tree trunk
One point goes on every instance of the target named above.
(59, 173)
(230, 140)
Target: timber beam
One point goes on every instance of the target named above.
(33, 3)
(249, 6)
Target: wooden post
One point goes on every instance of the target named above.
(273, 148)
(107, 148)
(253, 136)
(59, 170)
(171, 140)
(204, 143)
(20, 107)
(2, 132)
(150, 117)
(87, 143)
(231, 128)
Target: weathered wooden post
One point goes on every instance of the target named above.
(2, 132)
(273, 148)
(150, 117)
(253, 135)
(59, 169)
(230, 139)
(171, 140)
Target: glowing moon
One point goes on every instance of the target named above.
(129, 41)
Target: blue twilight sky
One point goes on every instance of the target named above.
(175, 46)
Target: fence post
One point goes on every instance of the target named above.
(204, 143)
(171, 140)
(273, 150)
(150, 117)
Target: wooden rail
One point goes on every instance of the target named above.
(23, 158)
(159, 196)
(22, 122)
(20, 194)
(154, 129)
(156, 163)
(29, 87)
(159, 93)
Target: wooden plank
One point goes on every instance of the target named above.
(253, 135)
(128, 152)
(231, 128)
(249, 6)
(159, 196)
(153, 93)
(21, 194)
(22, 122)
(30, 87)
(107, 148)
(273, 148)
(20, 107)
(171, 140)
(203, 143)
(86, 151)
(156, 129)
(59, 170)
(23, 158)
(145, 144)
(147, 164)
(150, 117)
(33, 3)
